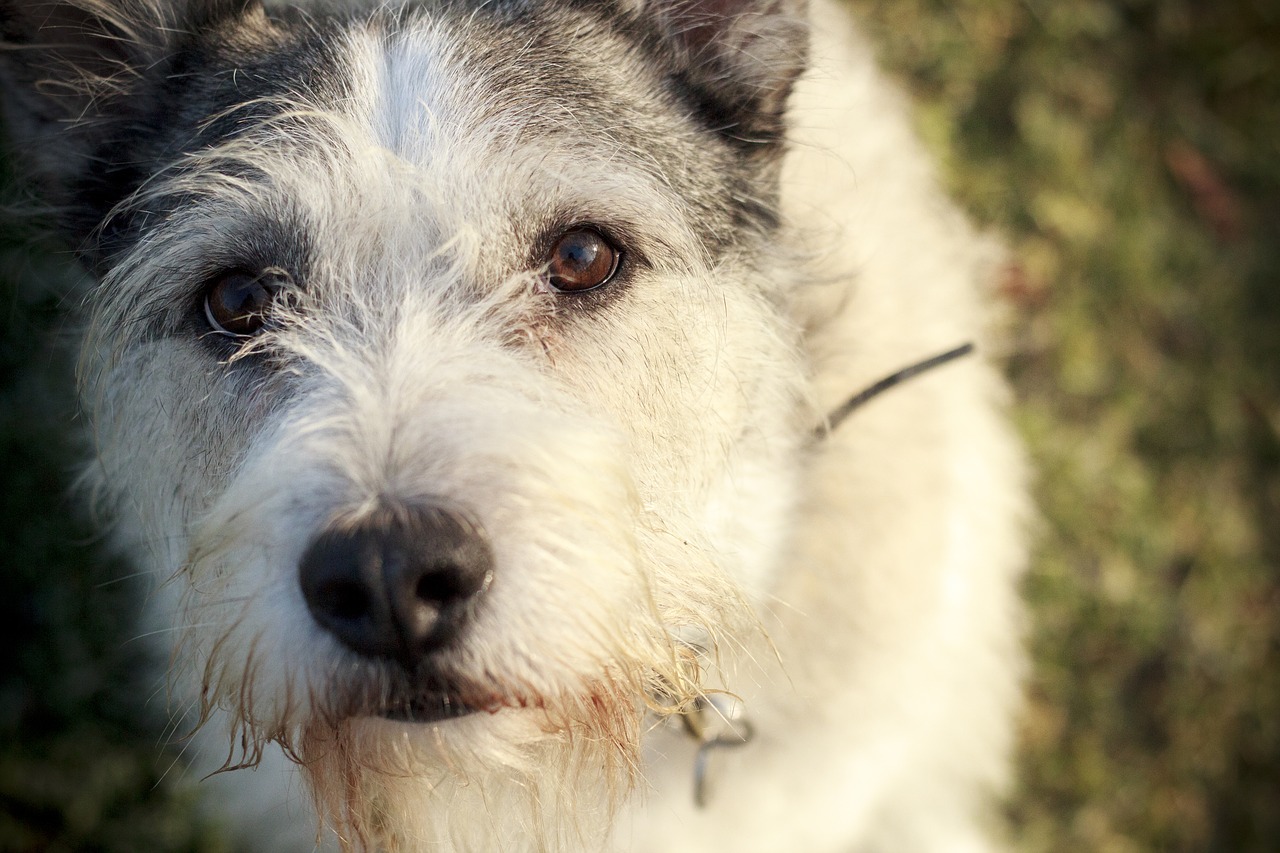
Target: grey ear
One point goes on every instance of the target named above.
(66, 65)
(61, 64)
(740, 56)
(81, 85)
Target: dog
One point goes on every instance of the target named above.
(547, 424)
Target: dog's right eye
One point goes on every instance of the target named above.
(582, 259)
(237, 303)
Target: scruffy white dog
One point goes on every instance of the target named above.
(471, 377)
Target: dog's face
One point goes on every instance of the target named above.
(438, 359)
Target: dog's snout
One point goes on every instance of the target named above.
(399, 582)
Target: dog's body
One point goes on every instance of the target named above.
(458, 372)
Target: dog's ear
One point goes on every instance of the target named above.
(71, 68)
(739, 57)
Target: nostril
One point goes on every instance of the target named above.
(345, 600)
(442, 586)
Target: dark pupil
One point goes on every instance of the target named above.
(238, 302)
(578, 253)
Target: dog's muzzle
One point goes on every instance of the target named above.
(400, 583)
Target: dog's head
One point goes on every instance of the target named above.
(437, 360)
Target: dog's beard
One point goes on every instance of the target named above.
(522, 770)
(497, 781)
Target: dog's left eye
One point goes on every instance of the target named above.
(236, 304)
(580, 260)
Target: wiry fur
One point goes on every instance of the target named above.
(640, 458)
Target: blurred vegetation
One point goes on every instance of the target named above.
(79, 722)
(1130, 153)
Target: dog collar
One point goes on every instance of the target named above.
(840, 413)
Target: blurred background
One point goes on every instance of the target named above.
(1129, 153)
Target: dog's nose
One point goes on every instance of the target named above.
(399, 582)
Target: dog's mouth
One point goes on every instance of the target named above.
(427, 708)
(426, 697)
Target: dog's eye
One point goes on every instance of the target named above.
(236, 304)
(580, 260)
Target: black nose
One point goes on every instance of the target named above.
(399, 582)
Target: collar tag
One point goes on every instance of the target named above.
(715, 721)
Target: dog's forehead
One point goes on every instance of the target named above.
(566, 84)
(502, 77)
(421, 71)
(492, 108)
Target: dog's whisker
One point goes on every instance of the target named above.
(119, 579)
(171, 629)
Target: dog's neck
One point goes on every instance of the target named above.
(719, 720)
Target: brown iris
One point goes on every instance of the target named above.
(237, 303)
(580, 260)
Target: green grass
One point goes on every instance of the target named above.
(1130, 154)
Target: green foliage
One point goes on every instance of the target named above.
(1130, 153)
(79, 722)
